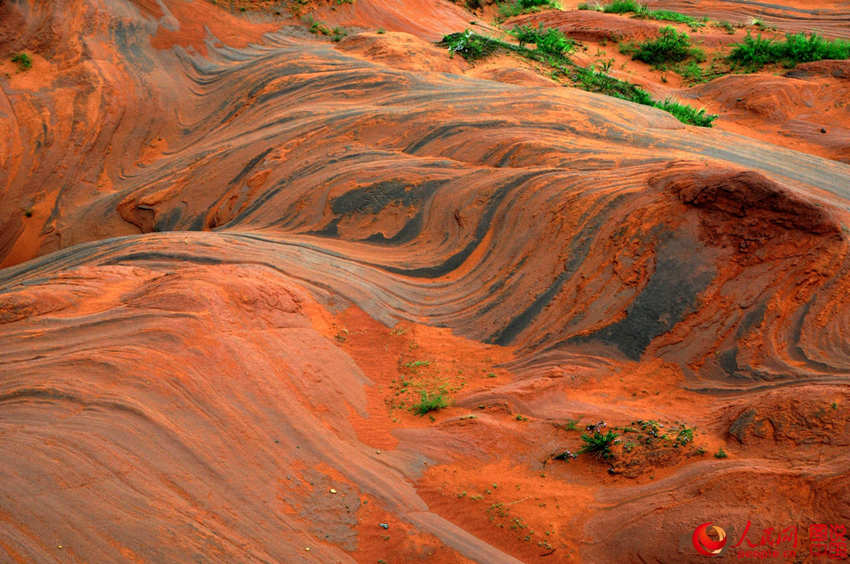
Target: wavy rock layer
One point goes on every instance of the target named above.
(192, 203)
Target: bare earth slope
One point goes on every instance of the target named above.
(228, 244)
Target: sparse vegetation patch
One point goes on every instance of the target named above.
(23, 60)
(671, 46)
(685, 113)
(473, 46)
(550, 41)
(517, 7)
(756, 52)
(428, 402)
(641, 11)
(598, 443)
(636, 448)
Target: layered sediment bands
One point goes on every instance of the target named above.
(590, 25)
(826, 18)
(155, 413)
(192, 204)
(442, 191)
(806, 109)
(630, 526)
(423, 18)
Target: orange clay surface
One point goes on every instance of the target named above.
(245, 244)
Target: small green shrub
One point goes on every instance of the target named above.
(692, 72)
(469, 45)
(623, 7)
(550, 40)
(755, 52)
(523, 7)
(598, 444)
(428, 402)
(24, 61)
(720, 454)
(525, 34)
(684, 436)
(554, 42)
(670, 46)
(800, 48)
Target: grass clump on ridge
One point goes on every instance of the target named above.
(670, 16)
(756, 52)
(669, 47)
(623, 7)
(550, 41)
(469, 45)
(641, 11)
(473, 46)
(518, 7)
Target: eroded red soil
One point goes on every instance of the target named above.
(238, 254)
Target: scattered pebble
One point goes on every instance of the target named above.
(333, 491)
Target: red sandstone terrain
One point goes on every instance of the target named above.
(237, 255)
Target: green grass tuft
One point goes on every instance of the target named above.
(518, 7)
(686, 114)
(598, 444)
(670, 47)
(24, 61)
(550, 41)
(428, 402)
(756, 52)
(669, 16)
(623, 7)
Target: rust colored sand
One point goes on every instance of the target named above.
(240, 260)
